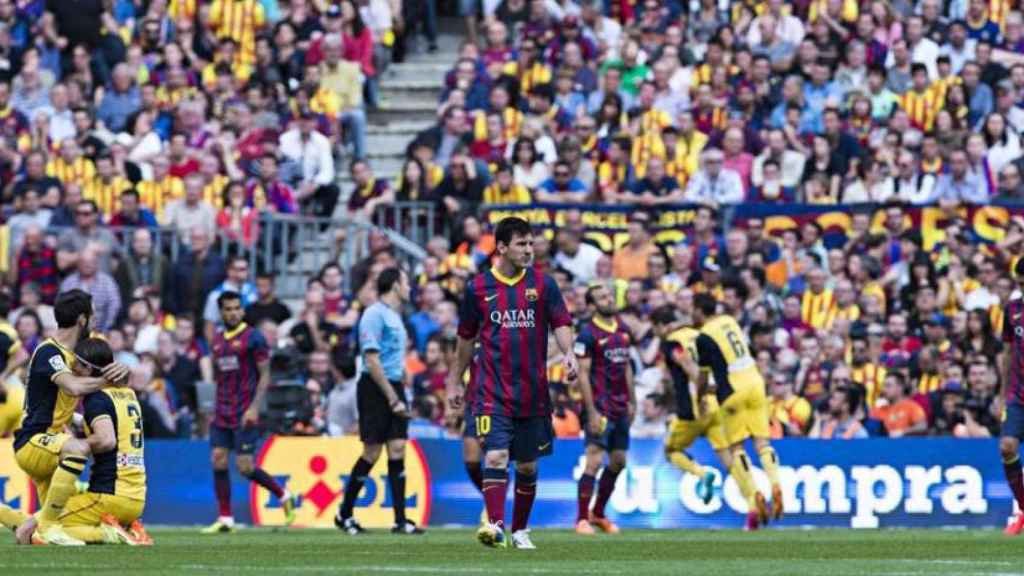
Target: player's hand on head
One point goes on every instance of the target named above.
(117, 373)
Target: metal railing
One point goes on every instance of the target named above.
(296, 248)
(416, 221)
(293, 248)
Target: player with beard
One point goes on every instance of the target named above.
(50, 457)
(606, 383)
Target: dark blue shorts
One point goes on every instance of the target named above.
(614, 437)
(526, 439)
(468, 423)
(1013, 424)
(240, 440)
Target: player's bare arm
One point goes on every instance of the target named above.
(583, 378)
(377, 373)
(702, 387)
(78, 385)
(1004, 370)
(103, 437)
(16, 362)
(454, 390)
(631, 408)
(252, 414)
(206, 369)
(565, 340)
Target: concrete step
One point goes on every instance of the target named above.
(417, 72)
(410, 128)
(384, 145)
(389, 116)
(390, 94)
(409, 102)
(400, 83)
(383, 167)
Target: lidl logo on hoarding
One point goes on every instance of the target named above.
(317, 469)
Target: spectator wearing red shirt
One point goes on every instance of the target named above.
(182, 163)
(37, 264)
(899, 345)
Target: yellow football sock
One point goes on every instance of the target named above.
(62, 487)
(770, 463)
(87, 534)
(686, 464)
(740, 471)
(11, 518)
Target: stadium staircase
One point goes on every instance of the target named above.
(409, 95)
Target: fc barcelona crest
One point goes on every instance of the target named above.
(531, 294)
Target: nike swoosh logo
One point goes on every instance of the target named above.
(602, 342)
(544, 446)
(489, 298)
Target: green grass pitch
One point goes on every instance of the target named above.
(455, 552)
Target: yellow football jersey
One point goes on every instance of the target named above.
(122, 471)
(722, 348)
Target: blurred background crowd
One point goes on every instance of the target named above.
(147, 149)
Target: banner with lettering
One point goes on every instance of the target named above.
(606, 226)
(919, 482)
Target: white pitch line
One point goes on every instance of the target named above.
(378, 568)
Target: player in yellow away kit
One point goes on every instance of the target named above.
(679, 351)
(117, 483)
(49, 456)
(722, 349)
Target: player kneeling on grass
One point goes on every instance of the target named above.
(606, 383)
(109, 512)
(51, 458)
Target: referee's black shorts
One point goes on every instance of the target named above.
(377, 423)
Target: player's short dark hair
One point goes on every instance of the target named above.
(664, 315)
(1018, 268)
(706, 303)
(227, 296)
(70, 305)
(588, 296)
(5, 303)
(387, 280)
(95, 351)
(510, 228)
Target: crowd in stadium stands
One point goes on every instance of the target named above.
(119, 116)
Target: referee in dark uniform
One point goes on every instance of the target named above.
(383, 415)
